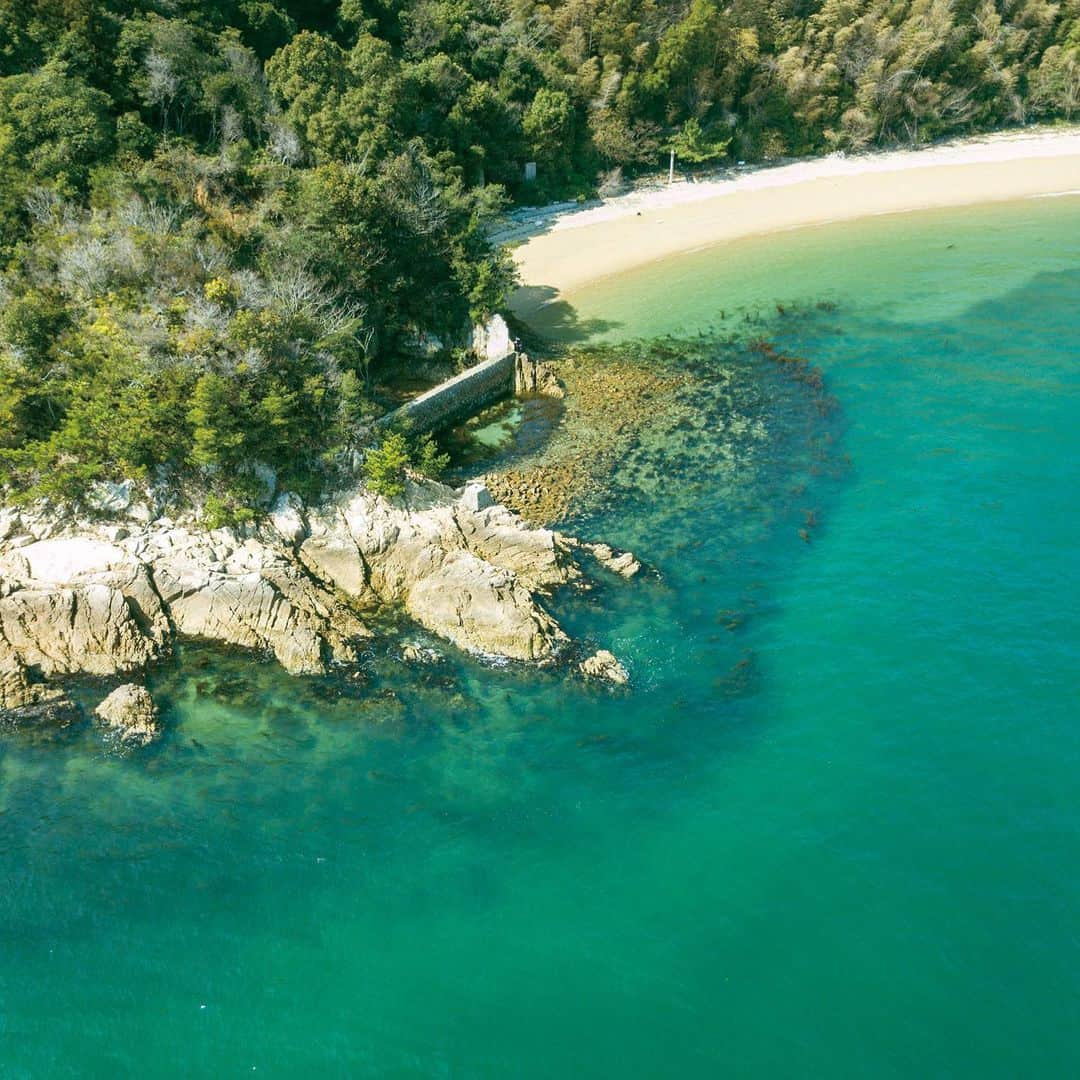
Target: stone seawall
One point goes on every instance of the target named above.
(458, 398)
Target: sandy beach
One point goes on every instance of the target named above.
(563, 248)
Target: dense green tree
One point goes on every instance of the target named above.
(218, 423)
(548, 125)
(53, 129)
(1056, 82)
(691, 144)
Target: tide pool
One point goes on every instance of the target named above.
(832, 831)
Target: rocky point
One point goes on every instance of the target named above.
(106, 597)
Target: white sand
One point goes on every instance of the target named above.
(568, 246)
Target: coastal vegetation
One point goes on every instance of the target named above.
(220, 221)
(385, 465)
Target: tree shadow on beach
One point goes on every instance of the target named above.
(539, 308)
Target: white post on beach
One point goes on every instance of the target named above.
(671, 169)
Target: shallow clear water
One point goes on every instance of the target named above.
(501, 435)
(833, 831)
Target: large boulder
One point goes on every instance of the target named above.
(80, 605)
(535, 377)
(467, 575)
(476, 497)
(482, 608)
(538, 556)
(85, 628)
(335, 558)
(130, 715)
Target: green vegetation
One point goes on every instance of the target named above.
(386, 464)
(219, 217)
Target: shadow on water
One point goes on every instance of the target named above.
(539, 306)
(500, 435)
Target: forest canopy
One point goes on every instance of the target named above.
(218, 217)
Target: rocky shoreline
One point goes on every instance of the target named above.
(108, 597)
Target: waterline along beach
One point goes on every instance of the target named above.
(569, 250)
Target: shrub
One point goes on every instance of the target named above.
(427, 460)
(221, 512)
(385, 465)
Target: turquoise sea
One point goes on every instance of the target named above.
(833, 831)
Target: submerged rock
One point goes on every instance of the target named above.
(129, 714)
(415, 653)
(609, 400)
(622, 563)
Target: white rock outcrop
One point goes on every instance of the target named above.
(97, 598)
(287, 516)
(492, 340)
(130, 715)
(604, 665)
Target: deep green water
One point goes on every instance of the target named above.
(833, 831)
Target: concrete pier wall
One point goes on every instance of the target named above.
(458, 398)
